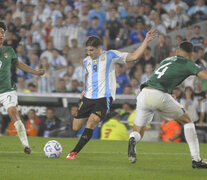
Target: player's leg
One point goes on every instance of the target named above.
(10, 103)
(134, 137)
(16, 119)
(93, 121)
(99, 109)
(192, 140)
(78, 123)
(143, 116)
(84, 111)
(173, 110)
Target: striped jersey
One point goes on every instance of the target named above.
(101, 79)
(58, 35)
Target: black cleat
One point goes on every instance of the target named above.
(132, 150)
(27, 150)
(200, 164)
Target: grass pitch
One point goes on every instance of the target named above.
(99, 160)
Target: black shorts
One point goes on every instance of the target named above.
(100, 107)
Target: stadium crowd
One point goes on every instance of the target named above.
(51, 34)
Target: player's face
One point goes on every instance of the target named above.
(93, 52)
(2, 35)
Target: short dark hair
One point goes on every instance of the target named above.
(31, 85)
(3, 26)
(95, 18)
(93, 41)
(186, 46)
(197, 27)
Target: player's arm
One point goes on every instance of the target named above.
(202, 74)
(28, 69)
(83, 92)
(139, 51)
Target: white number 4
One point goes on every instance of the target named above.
(161, 70)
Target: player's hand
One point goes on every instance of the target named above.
(40, 72)
(151, 34)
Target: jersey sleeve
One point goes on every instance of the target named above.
(119, 57)
(193, 68)
(14, 56)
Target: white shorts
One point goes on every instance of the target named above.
(8, 99)
(151, 100)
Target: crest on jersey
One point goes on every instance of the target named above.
(89, 64)
(5, 55)
(95, 61)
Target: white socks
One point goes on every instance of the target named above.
(21, 132)
(192, 140)
(136, 136)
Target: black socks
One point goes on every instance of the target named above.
(86, 136)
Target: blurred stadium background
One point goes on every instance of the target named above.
(51, 33)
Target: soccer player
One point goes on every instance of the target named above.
(100, 85)
(8, 95)
(155, 95)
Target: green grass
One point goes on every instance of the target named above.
(99, 160)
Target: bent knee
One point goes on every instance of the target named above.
(185, 118)
(93, 121)
(78, 124)
(76, 128)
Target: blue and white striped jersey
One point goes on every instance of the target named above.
(101, 79)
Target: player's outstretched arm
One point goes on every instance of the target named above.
(139, 51)
(28, 69)
(202, 74)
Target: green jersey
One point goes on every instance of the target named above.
(7, 58)
(171, 72)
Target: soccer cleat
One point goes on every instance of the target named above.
(27, 150)
(132, 150)
(199, 164)
(72, 155)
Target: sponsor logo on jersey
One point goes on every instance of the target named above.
(5, 55)
(89, 64)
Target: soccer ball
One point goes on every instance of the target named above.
(52, 149)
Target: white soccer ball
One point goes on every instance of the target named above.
(52, 149)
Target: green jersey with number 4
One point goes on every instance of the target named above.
(7, 58)
(171, 72)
